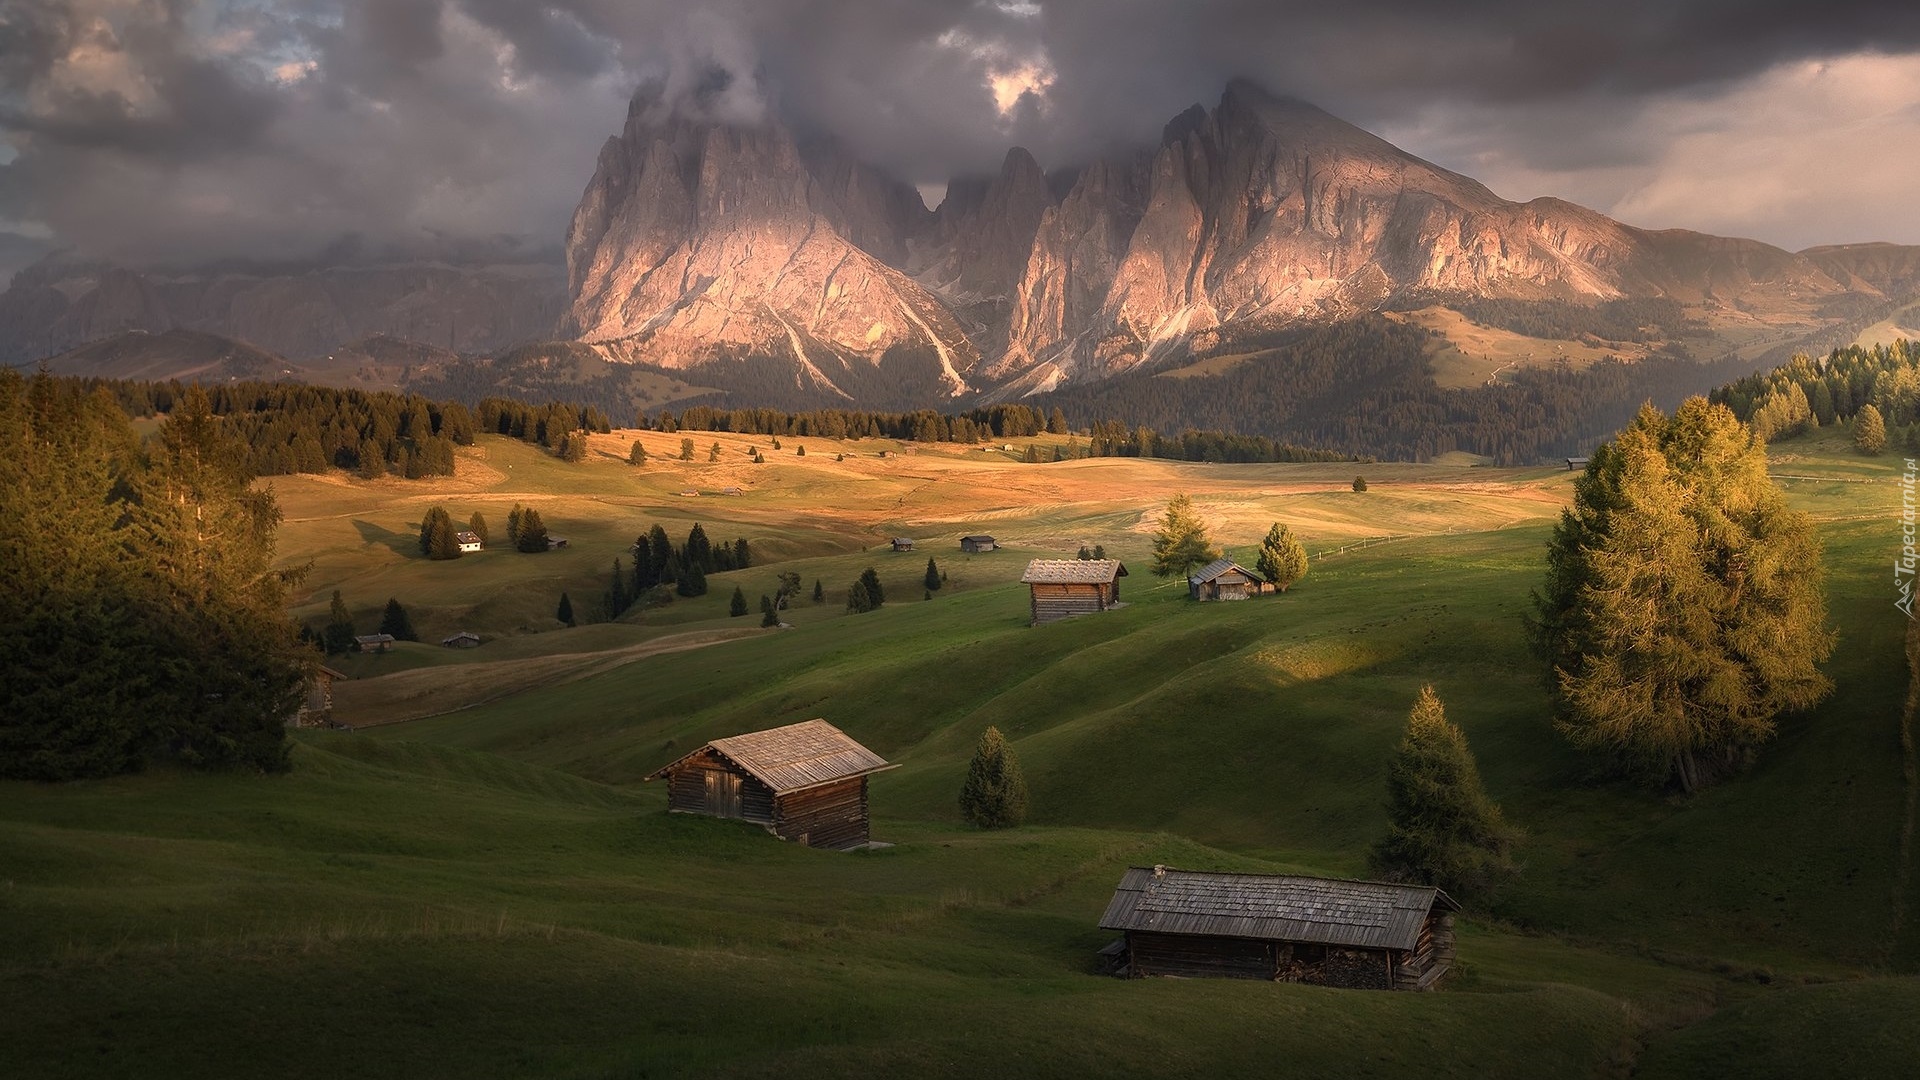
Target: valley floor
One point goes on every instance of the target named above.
(493, 891)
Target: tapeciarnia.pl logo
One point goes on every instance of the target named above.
(1904, 566)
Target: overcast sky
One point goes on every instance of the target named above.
(180, 130)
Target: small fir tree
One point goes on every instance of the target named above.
(686, 449)
(769, 614)
(1283, 559)
(533, 532)
(395, 621)
(514, 518)
(477, 525)
(1359, 483)
(565, 611)
(995, 793)
(1442, 829)
(340, 631)
(819, 593)
(692, 580)
(1181, 542)
(858, 599)
(1869, 431)
(637, 454)
(738, 605)
(871, 580)
(933, 576)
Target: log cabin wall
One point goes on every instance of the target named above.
(1058, 601)
(829, 816)
(1193, 956)
(687, 791)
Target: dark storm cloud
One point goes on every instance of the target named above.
(165, 130)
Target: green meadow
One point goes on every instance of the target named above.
(477, 881)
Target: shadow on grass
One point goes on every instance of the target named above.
(399, 543)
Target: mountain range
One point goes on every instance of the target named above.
(708, 248)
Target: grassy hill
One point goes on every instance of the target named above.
(493, 892)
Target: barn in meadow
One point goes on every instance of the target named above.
(1362, 935)
(1222, 579)
(1061, 587)
(805, 782)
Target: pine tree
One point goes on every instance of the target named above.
(871, 581)
(1869, 431)
(373, 464)
(573, 446)
(437, 539)
(769, 613)
(995, 793)
(713, 452)
(565, 611)
(662, 549)
(637, 454)
(1181, 542)
(686, 449)
(1283, 559)
(699, 550)
(617, 599)
(1683, 608)
(692, 580)
(1084, 553)
(819, 594)
(477, 525)
(533, 532)
(1099, 551)
(340, 630)
(742, 555)
(932, 579)
(1442, 829)
(858, 599)
(1359, 483)
(514, 518)
(396, 622)
(738, 605)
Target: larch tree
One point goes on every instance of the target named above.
(533, 532)
(1181, 542)
(1869, 431)
(1442, 829)
(1283, 559)
(1683, 609)
(994, 795)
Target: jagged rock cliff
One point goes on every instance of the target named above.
(699, 240)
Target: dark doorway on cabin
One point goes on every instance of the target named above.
(723, 794)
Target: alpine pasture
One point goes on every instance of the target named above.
(475, 882)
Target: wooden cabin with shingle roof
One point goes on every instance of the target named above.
(1222, 579)
(804, 782)
(1062, 587)
(1362, 935)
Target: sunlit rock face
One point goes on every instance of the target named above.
(698, 240)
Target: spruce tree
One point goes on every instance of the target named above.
(870, 580)
(1359, 483)
(437, 539)
(713, 452)
(477, 525)
(769, 614)
(565, 611)
(533, 532)
(340, 630)
(617, 599)
(686, 449)
(858, 599)
(932, 580)
(995, 793)
(738, 605)
(692, 581)
(1869, 431)
(1283, 559)
(1442, 829)
(819, 593)
(1181, 542)
(394, 620)
(699, 550)
(1683, 608)
(742, 554)
(514, 518)
(637, 454)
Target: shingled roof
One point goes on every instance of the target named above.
(1072, 571)
(1273, 907)
(1217, 567)
(790, 758)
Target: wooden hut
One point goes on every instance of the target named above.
(1062, 587)
(804, 782)
(316, 706)
(1576, 464)
(901, 543)
(375, 643)
(1363, 935)
(465, 639)
(974, 545)
(1222, 579)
